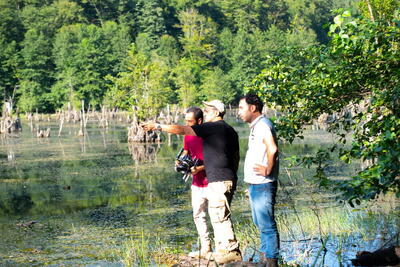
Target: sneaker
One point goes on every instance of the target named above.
(231, 256)
(200, 254)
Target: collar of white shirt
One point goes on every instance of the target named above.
(253, 123)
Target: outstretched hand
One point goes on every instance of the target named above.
(148, 126)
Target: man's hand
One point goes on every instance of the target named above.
(196, 169)
(261, 170)
(148, 126)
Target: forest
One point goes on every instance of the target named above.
(147, 52)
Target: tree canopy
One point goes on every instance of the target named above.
(59, 51)
(355, 77)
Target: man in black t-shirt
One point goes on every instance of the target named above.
(221, 161)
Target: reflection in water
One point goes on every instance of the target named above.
(9, 142)
(10, 155)
(17, 202)
(82, 141)
(143, 152)
(103, 135)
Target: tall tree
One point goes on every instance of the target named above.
(168, 50)
(245, 52)
(356, 77)
(198, 53)
(37, 73)
(47, 19)
(216, 85)
(144, 84)
(100, 11)
(85, 55)
(245, 13)
(379, 10)
(150, 19)
(11, 34)
(198, 38)
(187, 77)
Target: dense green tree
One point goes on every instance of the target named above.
(10, 23)
(245, 13)
(187, 78)
(11, 34)
(198, 36)
(169, 50)
(84, 55)
(216, 85)
(313, 16)
(8, 68)
(100, 11)
(37, 74)
(198, 51)
(245, 52)
(144, 84)
(356, 77)
(47, 19)
(145, 43)
(150, 20)
(379, 10)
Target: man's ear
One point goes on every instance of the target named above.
(200, 121)
(253, 108)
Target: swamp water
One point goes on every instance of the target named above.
(95, 201)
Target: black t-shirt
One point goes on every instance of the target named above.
(220, 150)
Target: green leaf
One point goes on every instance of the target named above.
(346, 14)
(338, 20)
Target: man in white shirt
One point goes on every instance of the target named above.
(261, 170)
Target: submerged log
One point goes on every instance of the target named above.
(10, 125)
(43, 133)
(27, 224)
(382, 257)
(143, 152)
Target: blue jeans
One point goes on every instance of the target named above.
(262, 201)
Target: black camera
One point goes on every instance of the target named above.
(184, 164)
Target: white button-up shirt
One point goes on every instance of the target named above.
(260, 129)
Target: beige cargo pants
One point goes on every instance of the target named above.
(219, 196)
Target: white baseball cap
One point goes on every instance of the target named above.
(216, 104)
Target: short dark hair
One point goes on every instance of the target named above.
(197, 112)
(253, 99)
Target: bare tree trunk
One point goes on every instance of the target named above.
(61, 124)
(31, 122)
(370, 10)
(80, 133)
(84, 118)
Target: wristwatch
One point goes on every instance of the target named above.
(158, 127)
